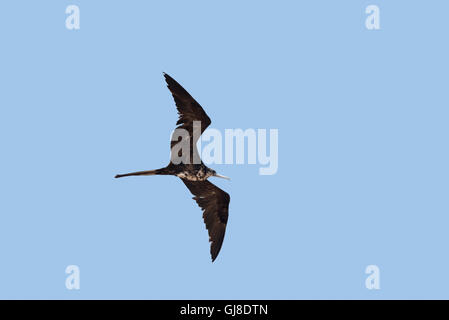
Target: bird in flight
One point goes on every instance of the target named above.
(213, 201)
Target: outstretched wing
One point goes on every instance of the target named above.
(189, 111)
(215, 203)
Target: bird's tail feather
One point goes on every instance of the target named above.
(140, 173)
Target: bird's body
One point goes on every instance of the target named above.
(194, 172)
(213, 201)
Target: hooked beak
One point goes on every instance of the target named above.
(220, 176)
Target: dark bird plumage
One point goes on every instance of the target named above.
(212, 200)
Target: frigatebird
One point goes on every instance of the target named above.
(213, 201)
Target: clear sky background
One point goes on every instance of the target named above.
(363, 148)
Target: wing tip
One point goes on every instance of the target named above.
(171, 83)
(214, 250)
(167, 77)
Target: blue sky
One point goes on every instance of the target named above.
(362, 119)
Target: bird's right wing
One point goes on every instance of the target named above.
(215, 204)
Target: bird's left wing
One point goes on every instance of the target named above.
(215, 204)
(189, 112)
(188, 109)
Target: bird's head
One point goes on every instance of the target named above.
(214, 173)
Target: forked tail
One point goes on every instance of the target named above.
(140, 173)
